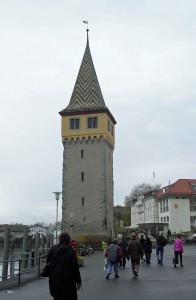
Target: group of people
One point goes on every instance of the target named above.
(117, 253)
(64, 274)
(138, 250)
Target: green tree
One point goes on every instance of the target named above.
(140, 189)
(127, 218)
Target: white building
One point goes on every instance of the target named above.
(37, 228)
(144, 210)
(173, 207)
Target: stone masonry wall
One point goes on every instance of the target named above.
(91, 200)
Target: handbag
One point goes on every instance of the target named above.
(46, 271)
(105, 264)
(174, 260)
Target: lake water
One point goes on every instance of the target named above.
(1, 252)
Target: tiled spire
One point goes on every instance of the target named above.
(87, 93)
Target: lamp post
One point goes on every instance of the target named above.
(57, 195)
(71, 224)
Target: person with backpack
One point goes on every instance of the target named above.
(114, 255)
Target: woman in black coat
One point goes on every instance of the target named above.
(147, 250)
(64, 278)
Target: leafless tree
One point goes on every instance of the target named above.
(140, 189)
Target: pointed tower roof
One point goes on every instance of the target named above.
(87, 95)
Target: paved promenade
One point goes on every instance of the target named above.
(154, 282)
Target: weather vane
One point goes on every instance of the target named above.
(86, 22)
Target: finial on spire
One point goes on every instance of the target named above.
(87, 30)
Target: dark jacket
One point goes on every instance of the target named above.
(142, 241)
(123, 245)
(160, 240)
(134, 249)
(147, 245)
(64, 272)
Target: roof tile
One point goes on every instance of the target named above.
(180, 187)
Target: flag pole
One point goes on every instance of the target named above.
(153, 174)
(86, 22)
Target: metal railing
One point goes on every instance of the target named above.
(21, 266)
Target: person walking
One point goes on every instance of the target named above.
(161, 242)
(73, 244)
(134, 251)
(178, 249)
(104, 245)
(114, 255)
(64, 274)
(142, 241)
(123, 245)
(147, 250)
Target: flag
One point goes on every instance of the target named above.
(153, 174)
(85, 22)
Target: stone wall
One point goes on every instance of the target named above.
(90, 200)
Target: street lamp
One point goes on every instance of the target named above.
(71, 224)
(57, 195)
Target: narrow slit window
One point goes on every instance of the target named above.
(108, 125)
(112, 130)
(82, 176)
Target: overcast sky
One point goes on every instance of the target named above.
(144, 54)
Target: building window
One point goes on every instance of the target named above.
(193, 186)
(167, 219)
(108, 125)
(82, 153)
(92, 122)
(112, 130)
(74, 123)
(82, 201)
(82, 176)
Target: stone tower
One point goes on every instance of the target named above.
(88, 141)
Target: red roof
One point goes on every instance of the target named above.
(180, 187)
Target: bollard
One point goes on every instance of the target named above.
(51, 240)
(37, 244)
(6, 253)
(24, 248)
(42, 244)
(47, 241)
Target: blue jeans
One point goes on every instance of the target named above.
(159, 253)
(113, 264)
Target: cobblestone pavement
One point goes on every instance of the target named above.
(153, 283)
